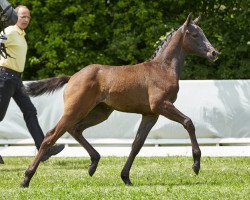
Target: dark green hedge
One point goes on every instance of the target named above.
(66, 35)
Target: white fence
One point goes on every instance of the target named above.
(220, 110)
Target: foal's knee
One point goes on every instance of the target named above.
(136, 147)
(189, 126)
(197, 154)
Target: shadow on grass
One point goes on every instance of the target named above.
(173, 184)
(13, 170)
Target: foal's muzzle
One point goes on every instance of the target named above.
(212, 55)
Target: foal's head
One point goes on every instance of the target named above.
(195, 41)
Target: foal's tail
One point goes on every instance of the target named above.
(46, 85)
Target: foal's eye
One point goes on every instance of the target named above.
(195, 35)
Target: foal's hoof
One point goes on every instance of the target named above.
(93, 166)
(126, 180)
(24, 184)
(128, 183)
(92, 169)
(196, 168)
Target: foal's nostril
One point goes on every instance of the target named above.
(214, 53)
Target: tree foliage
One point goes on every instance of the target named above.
(66, 35)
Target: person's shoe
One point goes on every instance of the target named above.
(1, 160)
(52, 151)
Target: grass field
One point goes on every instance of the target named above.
(153, 178)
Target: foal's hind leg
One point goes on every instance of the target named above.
(48, 141)
(146, 124)
(168, 110)
(94, 155)
(99, 114)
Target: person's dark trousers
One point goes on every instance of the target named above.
(1, 160)
(11, 86)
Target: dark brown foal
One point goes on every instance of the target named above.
(149, 88)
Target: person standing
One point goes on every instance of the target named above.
(11, 85)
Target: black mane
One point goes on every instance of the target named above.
(163, 44)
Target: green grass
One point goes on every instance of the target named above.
(153, 178)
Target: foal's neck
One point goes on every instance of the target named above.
(172, 57)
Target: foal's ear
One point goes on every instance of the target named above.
(197, 20)
(187, 22)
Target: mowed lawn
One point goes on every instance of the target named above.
(152, 177)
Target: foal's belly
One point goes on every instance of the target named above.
(125, 101)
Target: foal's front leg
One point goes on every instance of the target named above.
(146, 124)
(168, 110)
